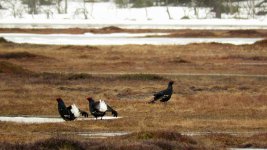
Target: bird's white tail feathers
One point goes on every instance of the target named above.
(102, 106)
(75, 110)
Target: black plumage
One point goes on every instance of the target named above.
(97, 111)
(164, 95)
(69, 113)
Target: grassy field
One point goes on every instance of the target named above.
(219, 89)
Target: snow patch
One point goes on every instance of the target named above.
(103, 134)
(138, 24)
(116, 39)
(31, 119)
(103, 118)
(102, 14)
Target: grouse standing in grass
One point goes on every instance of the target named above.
(99, 109)
(164, 95)
(69, 113)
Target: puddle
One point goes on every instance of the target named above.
(38, 119)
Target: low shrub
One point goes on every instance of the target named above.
(141, 77)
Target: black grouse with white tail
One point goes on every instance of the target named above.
(164, 95)
(71, 112)
(99, 109)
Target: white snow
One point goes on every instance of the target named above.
(31, 119)
(102, 14)
(103, 134)
(116, 39)
(137, 24)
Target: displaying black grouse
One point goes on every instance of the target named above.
(99, 109)
(164, 95)
(69, 113)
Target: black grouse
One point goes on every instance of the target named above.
(99, 109)
(164, 95)
(69, 113)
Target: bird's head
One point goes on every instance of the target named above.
(59, 99)
(171, 82)
(90, 99)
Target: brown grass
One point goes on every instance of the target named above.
(19, 55)
(126, 77)
(145, 140)
(94, 144)
(10, 68)
(173, 33)
(262, 42)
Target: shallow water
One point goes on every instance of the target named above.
(117, 39)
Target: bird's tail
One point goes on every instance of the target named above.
(114, 112)
(152, 101)
(83, 113)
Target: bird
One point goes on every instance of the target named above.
(99, 109)
(164, 95)
(71, 112)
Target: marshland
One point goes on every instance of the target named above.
(219, 98)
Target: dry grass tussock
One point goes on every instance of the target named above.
(159, 140)
(212, 93)
(116, 143)
(6, 67)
